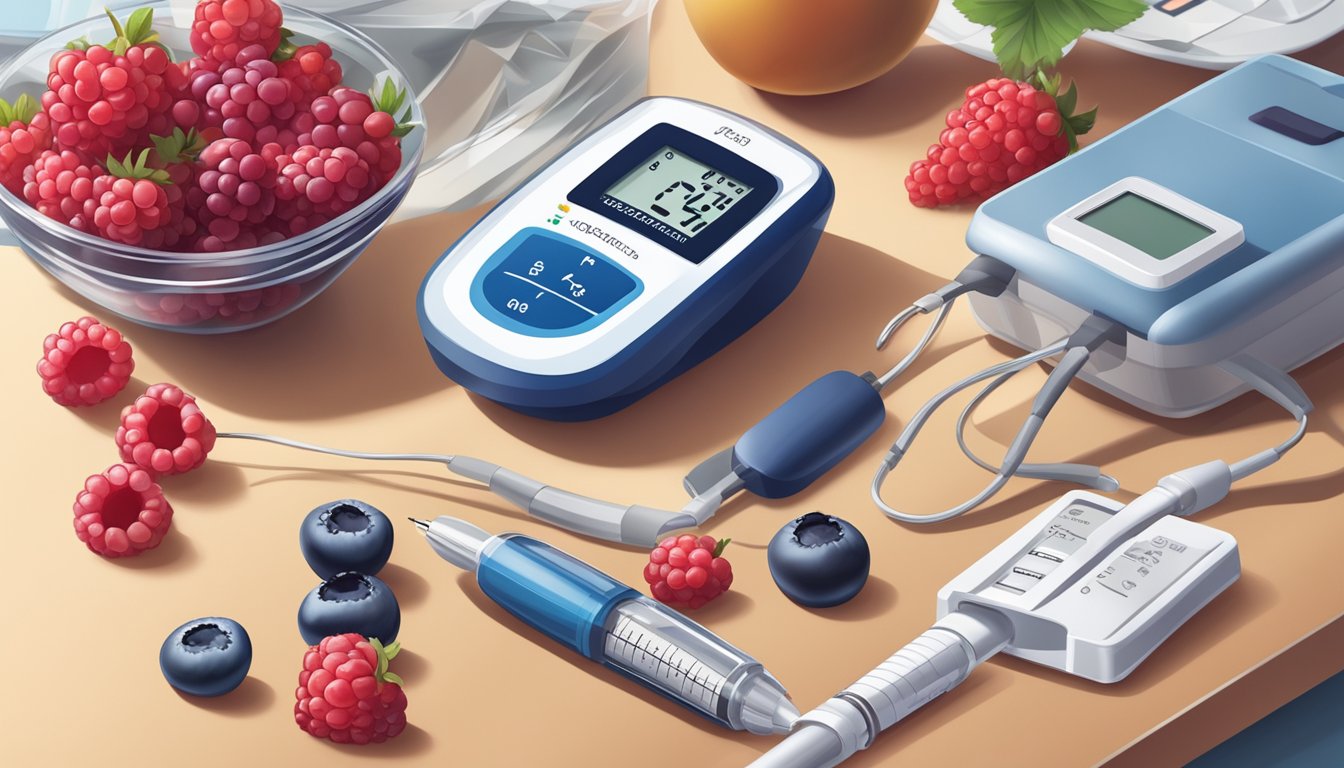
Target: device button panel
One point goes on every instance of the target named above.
(1062, 537)
(544, 284)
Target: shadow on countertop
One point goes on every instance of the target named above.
(829, 323)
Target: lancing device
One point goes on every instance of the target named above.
(580, 607)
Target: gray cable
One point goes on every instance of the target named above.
(1068, 472)
(431, 457)
(1017, 451)
(885, 379)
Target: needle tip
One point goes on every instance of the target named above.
(421, 524)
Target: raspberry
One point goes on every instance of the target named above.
(242, 97)
(60, 185)
(224, 27)
(131, 200)
(175, 154)
(85, 362)
(686, 572)
(235, 195)
(313, 71)
(346, 694)
(349, 118)
(164, 431)
(121, 512)
(1004, 132)
(101, 99)
(317, 185)
(24, 134)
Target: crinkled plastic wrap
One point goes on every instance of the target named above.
(505, 85)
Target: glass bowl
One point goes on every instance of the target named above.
(218, 292)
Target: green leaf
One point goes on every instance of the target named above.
(1068, 101)
(382, 657)
(718, 549)
(393, 677)
(285, 51)
(1032, 34)
(139, 25)
(81, 43)
(115, 167)
(116, 23)
(392, 650)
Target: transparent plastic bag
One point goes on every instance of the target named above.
(504, 84)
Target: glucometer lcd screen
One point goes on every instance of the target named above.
(679, 191)
(1154, 229)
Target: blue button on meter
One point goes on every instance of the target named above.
(634, 255)
(544, 284)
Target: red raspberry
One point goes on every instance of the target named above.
(686, 572)
(224, 27)
(242, 97)
(235, 195)
(102, 99)
(313, 71)
(175, 155)
(349, 118)
(317, 185)
(60, 185)
(131, 200)
(165, 432)
(85, 362)
(1004, 132)
(346, 694)
(24, 134)
(122, 512)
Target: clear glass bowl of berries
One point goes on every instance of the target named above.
(206, 168)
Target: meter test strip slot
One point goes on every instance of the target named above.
(633, 256)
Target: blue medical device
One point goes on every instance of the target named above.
(1189, 257)
(631, 257)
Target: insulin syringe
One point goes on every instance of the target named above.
(580, 607)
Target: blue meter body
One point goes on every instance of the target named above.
(637, 253)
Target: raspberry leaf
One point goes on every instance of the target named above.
(138, 30)
(128, 168)
(285, 51)
(392, 650)
(80, 43)
(178, 147)
(22, 110)
(1031, 34)
(393, 677)
(718, 549)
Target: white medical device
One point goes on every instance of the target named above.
(1090, 587)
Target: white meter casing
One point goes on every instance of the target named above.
(1090, 592)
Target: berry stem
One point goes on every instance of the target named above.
(723, 544)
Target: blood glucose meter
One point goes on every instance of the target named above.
(634, 255)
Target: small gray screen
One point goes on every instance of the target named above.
(1154, 229)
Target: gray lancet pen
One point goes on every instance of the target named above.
(580, 607)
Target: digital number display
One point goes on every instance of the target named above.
(1154, 229)
(682, 193)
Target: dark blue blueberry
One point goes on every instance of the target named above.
(350, 602)
(206, 657)
(346, 535)
(819, 560)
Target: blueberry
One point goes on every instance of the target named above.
(350, 602)
(345, 535)
(819, 560)
(206, 657)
